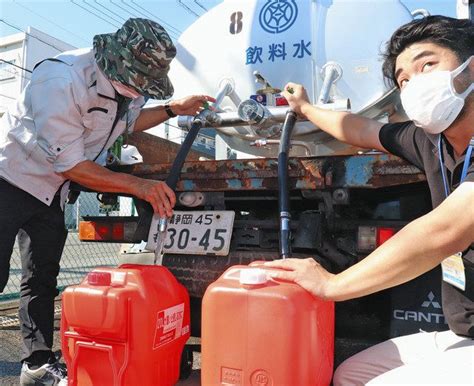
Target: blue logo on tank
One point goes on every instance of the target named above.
(278, 15)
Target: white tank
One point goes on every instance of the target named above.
(290, 40)
(462, 9)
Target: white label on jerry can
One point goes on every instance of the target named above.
(169, 323)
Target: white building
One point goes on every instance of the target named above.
(18, 55)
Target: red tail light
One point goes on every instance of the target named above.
(99, 231)
(371, 237)
(383, 234)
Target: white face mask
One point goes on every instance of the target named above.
(127, 92)
(431, 101)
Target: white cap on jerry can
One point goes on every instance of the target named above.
(253, 276)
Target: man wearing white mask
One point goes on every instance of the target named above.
(432, 62)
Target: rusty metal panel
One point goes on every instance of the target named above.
(158, 150)
(372, 171)
(360, 171)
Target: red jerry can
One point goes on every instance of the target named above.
(257, 331)
(125, 326)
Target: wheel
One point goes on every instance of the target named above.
(186, 363)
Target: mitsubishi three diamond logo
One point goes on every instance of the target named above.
(431, 302)
(430, 311)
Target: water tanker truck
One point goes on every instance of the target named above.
(343, 201)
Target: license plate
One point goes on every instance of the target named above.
(197, 233)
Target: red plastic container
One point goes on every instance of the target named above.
(264, 334)
(125, 326)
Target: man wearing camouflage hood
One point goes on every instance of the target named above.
(74, 108)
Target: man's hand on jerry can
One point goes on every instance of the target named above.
(307, 273)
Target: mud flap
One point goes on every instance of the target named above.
(416, 305)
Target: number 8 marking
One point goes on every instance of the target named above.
(235, 23)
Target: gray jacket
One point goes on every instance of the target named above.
(64, 116)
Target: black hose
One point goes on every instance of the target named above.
(173, 176)
(283, 188)
(144, 209)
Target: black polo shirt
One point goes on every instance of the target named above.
(421, 149)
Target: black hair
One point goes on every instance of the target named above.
(454, 34)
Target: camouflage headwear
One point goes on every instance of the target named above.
(138, 55)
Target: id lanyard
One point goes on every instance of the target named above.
(467, 161)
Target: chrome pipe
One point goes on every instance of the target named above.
(331, 73)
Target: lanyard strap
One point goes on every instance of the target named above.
(467, 161)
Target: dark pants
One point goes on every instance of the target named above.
(41, 236)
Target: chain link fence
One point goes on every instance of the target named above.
(77, 260)
(78, 257)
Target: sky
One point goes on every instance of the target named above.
(77, 21)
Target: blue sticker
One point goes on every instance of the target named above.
(278, 15)
(262, 99)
